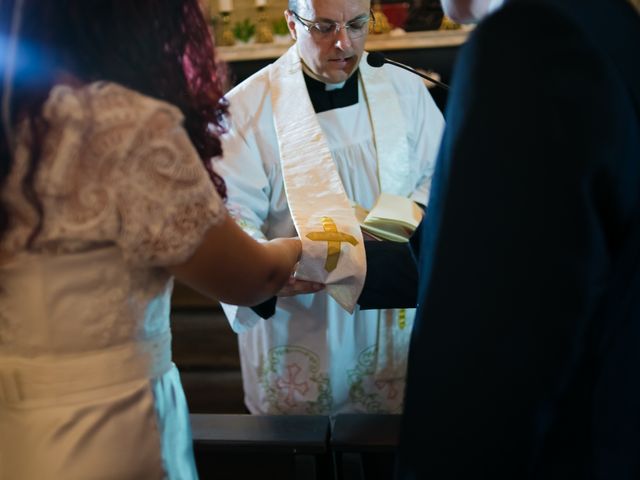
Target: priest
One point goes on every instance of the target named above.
(311, 135)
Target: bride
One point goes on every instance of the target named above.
(111, 112)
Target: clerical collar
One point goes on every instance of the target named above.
(329, 96)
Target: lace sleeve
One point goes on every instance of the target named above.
(168, 201)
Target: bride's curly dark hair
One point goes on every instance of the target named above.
(161, 48)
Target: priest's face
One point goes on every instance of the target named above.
(330, 35)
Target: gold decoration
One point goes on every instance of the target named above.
(264, 34)
(334, 239)
(402, 318)
(448, 24)
(227, 38)
(380, 21)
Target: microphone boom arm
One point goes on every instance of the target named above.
(413, 70)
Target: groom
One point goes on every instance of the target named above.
(525, 355)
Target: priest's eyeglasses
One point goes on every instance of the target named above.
(355, 28)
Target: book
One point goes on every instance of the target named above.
(392, 218)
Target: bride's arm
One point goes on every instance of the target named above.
(230, 266)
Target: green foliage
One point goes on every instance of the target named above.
(244, 30)
(280, 26)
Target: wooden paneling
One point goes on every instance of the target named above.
(205, 350)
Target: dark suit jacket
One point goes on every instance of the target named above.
(525, 355)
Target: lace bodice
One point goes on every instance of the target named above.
(123, 193)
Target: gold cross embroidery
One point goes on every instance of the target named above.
(334, 238)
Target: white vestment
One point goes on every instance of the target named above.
(312, 356)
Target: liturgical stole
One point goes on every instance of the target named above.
(332, 245)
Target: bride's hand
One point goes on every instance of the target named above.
(295, 286)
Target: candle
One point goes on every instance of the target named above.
(225, 5)
(261, 3)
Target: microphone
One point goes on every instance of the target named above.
(376, 59)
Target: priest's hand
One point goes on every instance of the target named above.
(296, 286)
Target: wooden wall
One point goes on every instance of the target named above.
(205, 350)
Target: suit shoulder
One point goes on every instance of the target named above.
(532, 34)
(538, 21)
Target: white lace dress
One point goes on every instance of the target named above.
(87, 387)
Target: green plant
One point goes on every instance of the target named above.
(244, 30)
(280, 26)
